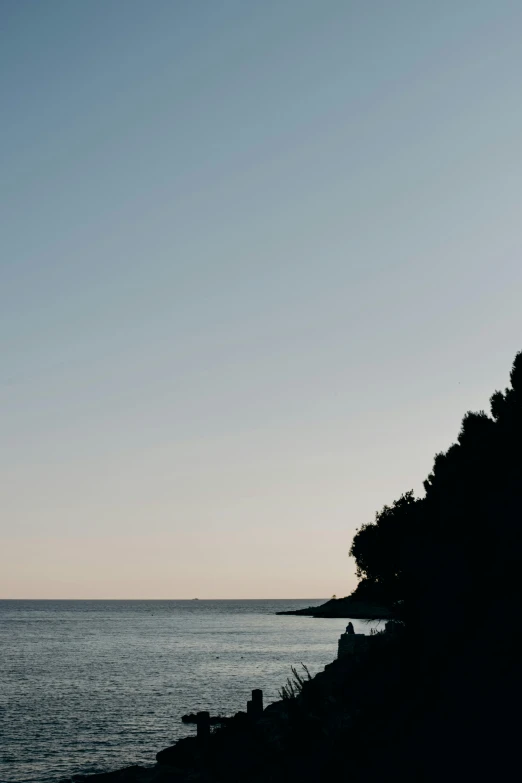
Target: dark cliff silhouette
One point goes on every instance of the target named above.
(438, 697)
(449, 566)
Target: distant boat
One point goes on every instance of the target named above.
(195, 599)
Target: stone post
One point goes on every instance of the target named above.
(203, 726)
(257, 702)
(351, 644)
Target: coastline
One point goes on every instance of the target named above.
(344, 608)
(145, 665)
(286, 741)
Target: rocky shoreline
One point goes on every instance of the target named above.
(291, 739)
(348, 608)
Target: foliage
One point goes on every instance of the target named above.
(294, 684)
(458, 549)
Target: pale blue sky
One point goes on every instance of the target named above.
(257, 259)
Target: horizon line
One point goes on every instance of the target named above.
(167, 599)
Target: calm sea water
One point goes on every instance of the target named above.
(90, 686)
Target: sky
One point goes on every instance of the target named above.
(257, 259)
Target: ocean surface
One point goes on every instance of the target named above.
(90, 686)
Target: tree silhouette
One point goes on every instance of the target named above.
(456, 551)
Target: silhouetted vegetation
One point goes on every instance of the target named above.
(456, 551)
(294, 684)
(437, 697)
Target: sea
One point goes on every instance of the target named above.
(92, 686)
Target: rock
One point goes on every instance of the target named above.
(392, 626)
(215, 720)
(182, 754)
(351, 643)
